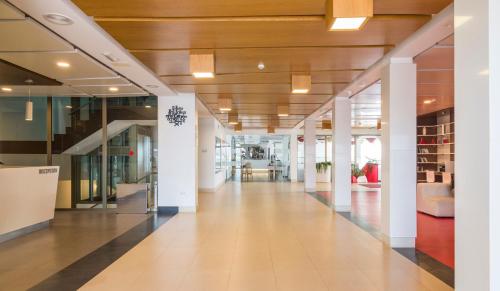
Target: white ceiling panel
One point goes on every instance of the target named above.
(104, 90)
(81, 66)
(9, 12)
(56, 91)
(28, 36)
(97, 81)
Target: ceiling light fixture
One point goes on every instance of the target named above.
(225, 104)
(113, 89)
(63, 65)
(202, 66)
(28, 113)
(429, 101)
(147, 106)
(232, 118)
(68, 106)
(238, 127)
(326, 124)
(58, 19)
(261, 66)
(301, 84)
(6, 89)
(283, 110)
(348, 14)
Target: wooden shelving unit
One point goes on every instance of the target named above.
(435, 144)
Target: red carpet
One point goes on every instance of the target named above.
(435, 236)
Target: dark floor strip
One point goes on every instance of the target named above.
(426, 262)
(320, 198)
(80, 272)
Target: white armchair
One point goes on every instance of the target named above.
(435, 199)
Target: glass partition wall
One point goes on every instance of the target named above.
(67, 132)
(261, 157)
(131, 150)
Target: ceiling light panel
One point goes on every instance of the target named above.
(97, 81)
(111, 90)
(225, 104)
(301, 84)
(34, 37)
(43, 91)
(81, 66)
(202, 66)
(348, 14)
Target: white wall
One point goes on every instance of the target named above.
(209, 179)
(177, 155)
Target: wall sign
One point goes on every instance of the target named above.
(176, 115)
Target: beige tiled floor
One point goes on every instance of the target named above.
(262, 236)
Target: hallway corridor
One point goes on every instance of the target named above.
(262, 236)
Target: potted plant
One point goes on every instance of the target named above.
(356, 172)
(323, 172)
(371, 171)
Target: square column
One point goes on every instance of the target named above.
(477, 145)
(399, 143)
(177, 152)
(310, 155)
(341, 137)
(293, 156)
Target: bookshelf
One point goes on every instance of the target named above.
(435, 144)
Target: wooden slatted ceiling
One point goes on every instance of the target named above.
(287, 35)
(174, 8)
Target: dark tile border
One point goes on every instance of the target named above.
(426, 262)
(80, 272)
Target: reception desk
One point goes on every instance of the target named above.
(28, 198)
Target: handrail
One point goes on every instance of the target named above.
(75, 110)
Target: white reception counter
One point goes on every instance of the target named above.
(27, 198)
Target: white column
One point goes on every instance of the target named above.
(477, 145)
(293, 156)
(177, 155)
(399, 90)
(341, 138)
(310, 155)
(206, 155)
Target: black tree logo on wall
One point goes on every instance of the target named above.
(176, 115)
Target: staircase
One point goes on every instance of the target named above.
(81, 128)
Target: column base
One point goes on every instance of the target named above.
(342, 208)
(399, 242)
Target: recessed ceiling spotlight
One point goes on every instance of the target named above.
(58, 19)
(261, 66)
(429, 101)
(68, 106)
(6, 89)
(113, 89)
(63, 65)
(147, 106)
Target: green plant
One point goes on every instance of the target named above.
(321, 167)
(356, 171)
